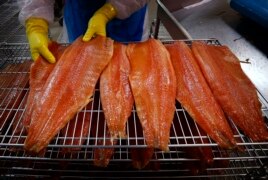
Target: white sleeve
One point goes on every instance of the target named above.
(125, 8)
(36, 8)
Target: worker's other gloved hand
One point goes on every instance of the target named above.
(97, 24)
(37, 33)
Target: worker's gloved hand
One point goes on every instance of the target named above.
(37, 33)
(97, 24)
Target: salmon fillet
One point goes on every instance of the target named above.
(68, 89)
(102, 155)
(39, 72)
(115, 92)
(141, 157)
(153, 85)
(196, 97)
(232, 88)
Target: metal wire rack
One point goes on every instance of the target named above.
(185, 135)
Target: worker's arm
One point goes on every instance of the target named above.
(126, 7)
(36, 16)
(36, 8)
(113, 8)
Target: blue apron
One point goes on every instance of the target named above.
(78, 12)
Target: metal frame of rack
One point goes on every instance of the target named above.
(184, 133)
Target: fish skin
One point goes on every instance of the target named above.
(68, 89)
(196, 97)
(153, 85)
(115, 92)
(141, 157)
(102, 155)
(232, 88)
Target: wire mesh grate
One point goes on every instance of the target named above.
(185, 135)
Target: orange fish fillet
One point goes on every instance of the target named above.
(39, 72)
(102, 156)
(153, 85)
(141, 157)
(116, 96)
(68, 89)
(196, 97)
(232, 88)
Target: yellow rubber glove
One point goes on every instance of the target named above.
(37, 34)
(97, 24)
